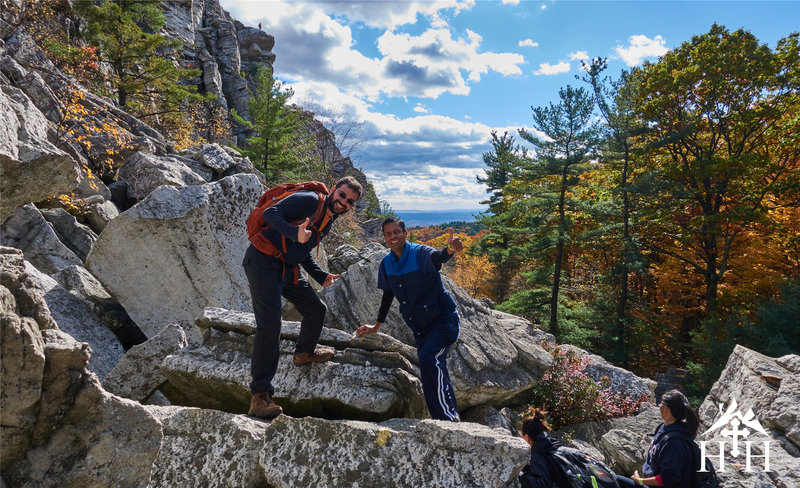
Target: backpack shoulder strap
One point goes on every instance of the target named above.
(558, 465)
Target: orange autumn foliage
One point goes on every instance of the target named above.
(471, 272)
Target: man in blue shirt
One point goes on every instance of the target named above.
(271, 266)
(410, 273)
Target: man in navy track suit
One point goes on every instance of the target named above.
(410, 273)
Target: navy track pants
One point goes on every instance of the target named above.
(432, 352)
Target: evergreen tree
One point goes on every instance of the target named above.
(145, 78)
(615, 101)
(281, 143)
(502, 164)
(552, 176)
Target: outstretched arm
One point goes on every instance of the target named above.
(386, 303)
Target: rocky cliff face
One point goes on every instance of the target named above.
(127, 333)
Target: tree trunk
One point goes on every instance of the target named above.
(554, 329)
(622, 304)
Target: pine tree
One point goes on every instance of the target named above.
(552, 176)
(502, 163)
(282, 142)
(145, 78)
(615, 101)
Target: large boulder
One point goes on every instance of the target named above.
(75, 317)
(367, 379)
(138, 374)
(59, 427)
(28, 231)
(144, 172)
(765, 391)
(398, 452)
(619, 380)
(753, 387)
(497, 356)
(76, 236)
(622, 442)
(208, 448)
(178, 251)
(32, 167)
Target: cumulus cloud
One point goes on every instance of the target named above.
(529, 43)
(434, 62)
(553, 69)
(640, 47)
(314, 46)
(405, 157)
(510, 2)
(579, 56)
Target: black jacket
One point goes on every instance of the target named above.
(279, 217)
(672, 460)
(541, 471)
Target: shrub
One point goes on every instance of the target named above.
(570, 396)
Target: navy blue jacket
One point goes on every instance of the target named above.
(672, 460)
(295, 207)
(415, 281)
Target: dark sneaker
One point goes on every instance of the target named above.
(261, 405)
(321, 354)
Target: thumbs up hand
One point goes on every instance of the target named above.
(303, 234)
(454, 243)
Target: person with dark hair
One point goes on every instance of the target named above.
(410, 273)
(270, 264)
(669, 458)
(540, 472)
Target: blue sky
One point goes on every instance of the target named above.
(431, 80)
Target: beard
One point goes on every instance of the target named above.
(330, 204)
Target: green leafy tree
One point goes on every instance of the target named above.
(145, 79)
(564, 144)
(281, 142)
(722, 114)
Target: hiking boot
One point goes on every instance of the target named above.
(321, 354)
(261, 405)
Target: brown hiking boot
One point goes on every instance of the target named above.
(261, 405)
(321, 354)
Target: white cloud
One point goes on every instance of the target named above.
(553, 69)
(640, 47)
(434, 62)
(314, 46)
(421, 109)
(528, 42)
(543, 7)
(510, 2)
(579, 56)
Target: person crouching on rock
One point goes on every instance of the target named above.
(410, 272)
(272, 273)
(540, 472)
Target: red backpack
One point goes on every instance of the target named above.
(256, 224)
